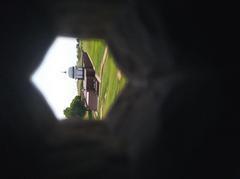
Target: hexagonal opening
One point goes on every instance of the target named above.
(79, 78)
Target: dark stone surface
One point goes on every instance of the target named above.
(177, 118)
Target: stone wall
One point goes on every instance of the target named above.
(177, 117)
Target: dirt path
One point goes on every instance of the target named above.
(103, 62)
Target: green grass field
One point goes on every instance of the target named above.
(112, 80)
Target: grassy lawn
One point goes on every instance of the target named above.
(112, 84)
(112, 80)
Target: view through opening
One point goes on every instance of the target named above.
(79, 78)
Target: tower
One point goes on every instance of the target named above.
(76, 72)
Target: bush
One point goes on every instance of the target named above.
(76, 109)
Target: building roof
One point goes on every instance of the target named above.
(91, 83)
(87, 61)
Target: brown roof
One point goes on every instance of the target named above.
(92, 84)
(86, 61)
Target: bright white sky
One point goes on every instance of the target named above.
(57, 87)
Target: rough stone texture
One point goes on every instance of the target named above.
(177, 117)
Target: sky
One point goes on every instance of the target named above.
(57, 88)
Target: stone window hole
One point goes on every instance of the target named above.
(79, 78)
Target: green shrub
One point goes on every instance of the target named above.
(76, 109)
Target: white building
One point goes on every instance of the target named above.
(76, 72)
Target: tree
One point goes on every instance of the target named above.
(76, 109)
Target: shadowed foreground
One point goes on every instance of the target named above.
(176, 118)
